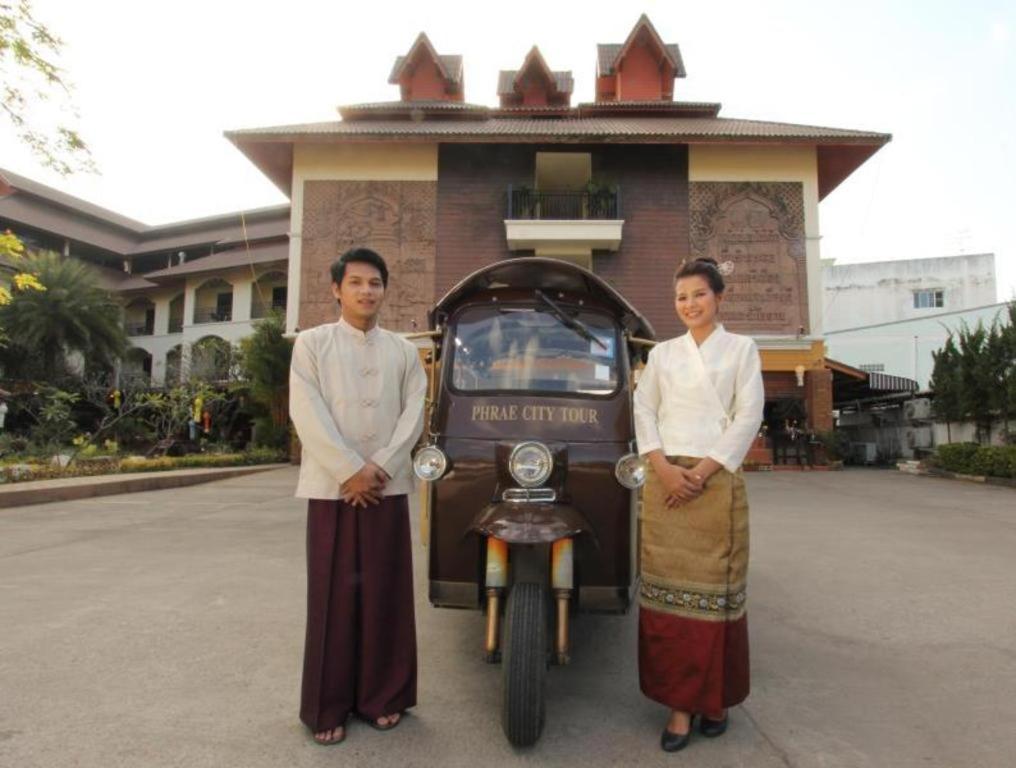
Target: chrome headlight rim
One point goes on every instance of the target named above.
(532, 482)
(439, 465)
(630, 471)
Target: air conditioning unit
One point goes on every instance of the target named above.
(864, 453)
(917, 409)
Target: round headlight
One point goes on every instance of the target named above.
(530, 464)
(430, 463)
(631, 471)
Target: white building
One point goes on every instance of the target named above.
(861, 295)
(904, 347)
(189, 289)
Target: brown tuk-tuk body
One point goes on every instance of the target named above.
(535, 359)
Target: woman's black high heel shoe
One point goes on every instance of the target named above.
(675, 742)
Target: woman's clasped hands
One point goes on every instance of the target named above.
(681, 485)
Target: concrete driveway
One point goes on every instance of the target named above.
(165, 629)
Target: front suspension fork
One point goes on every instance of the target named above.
(562, 569)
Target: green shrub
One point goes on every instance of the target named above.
(269, 435)
(836, 444)
(973, 459)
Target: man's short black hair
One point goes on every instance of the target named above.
(363, 255)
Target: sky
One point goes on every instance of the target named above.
(156, 84)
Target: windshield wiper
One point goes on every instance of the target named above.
(568, 321)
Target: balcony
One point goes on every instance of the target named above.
(526, 204)
(553, 223)
(139, 329)
(213, 315)
(176, 324)
(260, 309)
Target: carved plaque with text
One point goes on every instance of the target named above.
(395, 218)
(759, 228)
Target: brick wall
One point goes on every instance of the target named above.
(471, 207)
(819, 387)
(472, 204)
(653, 180)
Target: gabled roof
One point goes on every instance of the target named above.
(13, 182)
(36, 205)
(450, 67)
(562, 81)
(840, 151)
(608, 54)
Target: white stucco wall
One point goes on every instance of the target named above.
(904, 348)
(161, 342)
(858, 295)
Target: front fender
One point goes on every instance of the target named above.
(530, 522)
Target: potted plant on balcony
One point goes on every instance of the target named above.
(525, 202)
(601, 196)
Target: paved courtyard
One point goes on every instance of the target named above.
(165, 629)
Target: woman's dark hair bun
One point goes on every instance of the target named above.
(705, 267)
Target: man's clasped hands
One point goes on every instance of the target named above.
(366, 487)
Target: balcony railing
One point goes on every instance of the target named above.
(176, 325)
(259, 309)
(139, 329)
(524, 203)
(213, 315)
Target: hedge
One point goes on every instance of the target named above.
(974, 459)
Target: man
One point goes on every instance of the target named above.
(356, 400)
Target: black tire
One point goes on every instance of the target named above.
(524, 664)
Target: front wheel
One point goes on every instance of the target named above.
(524, 664)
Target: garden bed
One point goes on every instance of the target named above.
(116, 465)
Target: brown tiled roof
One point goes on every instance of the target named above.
(647, 108)
(563, 81)
(116, 280)
(410, 109)
(238, 257)
(669, 128)
(50, 210)
(75, 204)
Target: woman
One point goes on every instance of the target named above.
(698, 406)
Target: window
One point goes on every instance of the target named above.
(929, 299)
(224, 307)
(873, 367)
(525, 349)
(279, 297)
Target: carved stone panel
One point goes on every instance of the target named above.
(395, 218)
(759, 228)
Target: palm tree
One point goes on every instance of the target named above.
(73, 314)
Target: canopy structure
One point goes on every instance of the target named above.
(549, 275)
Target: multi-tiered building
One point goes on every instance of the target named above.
(628, 184)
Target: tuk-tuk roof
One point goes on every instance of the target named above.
(534, 272)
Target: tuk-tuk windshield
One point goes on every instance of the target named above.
(530, 349)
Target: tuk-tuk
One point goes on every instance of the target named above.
(530, 465)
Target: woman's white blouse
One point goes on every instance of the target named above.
(701, 401)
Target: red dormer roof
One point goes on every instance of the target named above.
(534, 84)
(424, 75)
(642, 68)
